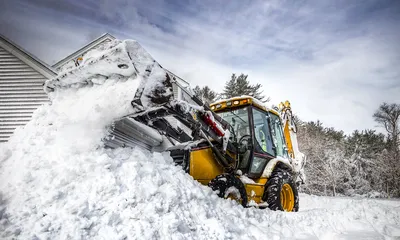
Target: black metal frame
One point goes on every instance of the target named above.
(200, 130)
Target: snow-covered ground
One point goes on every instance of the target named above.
(57, 182)
(131, 194)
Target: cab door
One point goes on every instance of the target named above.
(278, 136)
(263, 145)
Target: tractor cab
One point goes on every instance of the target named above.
(256, 130)
(259, 154)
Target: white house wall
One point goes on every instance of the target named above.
(21, 92)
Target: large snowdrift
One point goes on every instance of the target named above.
(58, 182)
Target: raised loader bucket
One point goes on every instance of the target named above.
(118, 62)
(125, 61)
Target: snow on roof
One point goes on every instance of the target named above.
(27, 57)
(84, 49)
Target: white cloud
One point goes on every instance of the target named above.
(313, 54)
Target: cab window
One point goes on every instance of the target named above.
(239, 120)
(277, 136)
(263, 140)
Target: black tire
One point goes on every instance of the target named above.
(222, 183)
(272, 194)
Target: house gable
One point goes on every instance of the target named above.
(83, 50)
(22, 77)
(27, 57)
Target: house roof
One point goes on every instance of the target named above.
(181, 81)
(89, 46)
(84, 49)
(94, 43)
(27, 57)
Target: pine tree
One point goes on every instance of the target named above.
(239, 86)
(205, 94)
(230, 88)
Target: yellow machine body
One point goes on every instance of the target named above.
(203, 166)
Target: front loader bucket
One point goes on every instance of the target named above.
(124, 61)
(116, 63)
(142, 111)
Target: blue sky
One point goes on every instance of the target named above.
(335, 60)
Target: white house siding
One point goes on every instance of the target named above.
(21, 92)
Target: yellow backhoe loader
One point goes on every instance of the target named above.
(239, 147)
(258, 168)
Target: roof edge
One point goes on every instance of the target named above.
(178, 78)
(83, 49)
(27, 57)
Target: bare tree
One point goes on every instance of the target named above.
(388, 115)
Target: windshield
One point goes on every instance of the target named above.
(239, 120)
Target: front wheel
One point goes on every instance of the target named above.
(229, 186)
(281, 191)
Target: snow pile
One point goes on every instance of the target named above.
(58, 182)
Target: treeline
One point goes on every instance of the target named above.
(364, 163)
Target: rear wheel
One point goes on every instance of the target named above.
(229, 186)
(281, 191)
